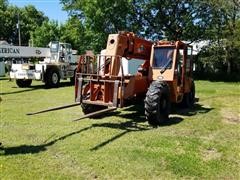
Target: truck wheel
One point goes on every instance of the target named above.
(189, 98)
(157, 103)
(52, 78)
(23, 82)
(72, 79)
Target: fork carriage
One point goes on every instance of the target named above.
(98, 82)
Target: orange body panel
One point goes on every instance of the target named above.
(137, 85)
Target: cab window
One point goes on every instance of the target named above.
(163, 57)
(54, 47)
(188, 61)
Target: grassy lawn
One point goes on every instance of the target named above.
(200, 143)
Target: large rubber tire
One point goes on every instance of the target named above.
(52, 78)
(189, 98)
(157, 103)
(22, 83)
(72, 79)
(90, 108)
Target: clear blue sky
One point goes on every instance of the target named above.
(51, 8)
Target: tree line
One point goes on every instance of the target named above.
(90, 22)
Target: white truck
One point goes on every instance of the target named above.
(59, 61)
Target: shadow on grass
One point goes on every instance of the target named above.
(128, 127)
(196, 109)
(32, 149)
(134, 116)
(3, 78)
(137, 112)
(35, 87)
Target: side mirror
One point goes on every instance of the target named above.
(61, 55)
(194, 67)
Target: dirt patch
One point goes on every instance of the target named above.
(211, 154)
(230, 117)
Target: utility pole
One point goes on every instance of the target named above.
(19, 31)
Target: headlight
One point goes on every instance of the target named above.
(25, 66)
(160, 77)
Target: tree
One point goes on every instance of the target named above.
(3, 22)
(232, 35)
(223, 31)
(152, 19)
(30, 19)
(3, 4)
(102, 17)
(48, 31)
(73, 32)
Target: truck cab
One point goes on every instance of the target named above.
(60, 52)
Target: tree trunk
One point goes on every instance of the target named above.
(228, 67)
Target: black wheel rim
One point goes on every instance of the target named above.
(55, 78)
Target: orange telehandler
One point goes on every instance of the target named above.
(164, 77)
(103, 83)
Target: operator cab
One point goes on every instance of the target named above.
(60, 52)
(172, 63)
(170, 60)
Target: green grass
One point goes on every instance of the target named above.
(200, 143)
